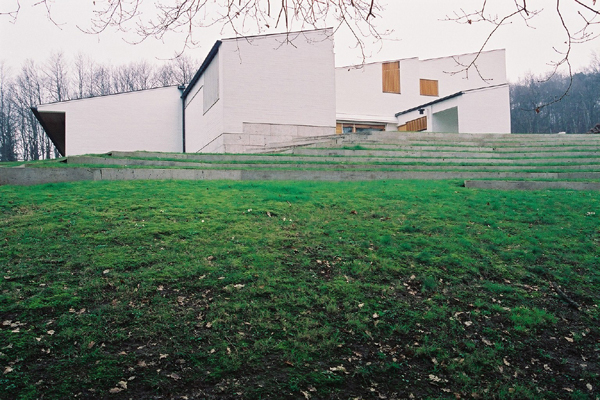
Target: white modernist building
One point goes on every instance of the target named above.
(253, 93)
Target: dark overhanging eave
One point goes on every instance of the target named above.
(55, 129)
(451, 96)
(430, 103)
(211, 55)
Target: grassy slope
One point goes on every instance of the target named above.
(297, 290)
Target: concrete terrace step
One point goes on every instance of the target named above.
(472, 139)
(469, 144)
(275, 163)
(441, 154)
(377, 155)
(457, 137)
(439, 147)
(352, 159)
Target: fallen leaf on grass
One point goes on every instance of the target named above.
(115, 390)
(487, 342)
(50, 332)
(163, 356)
(7, 370)
(375, 315)
(306, 394)
(174, 376)
(589, 387)
(468, 323)
(106, 271)
(505, 362)
(122, 384)
(91, 344)
(338, 368)
(570, 340)
(142, 364)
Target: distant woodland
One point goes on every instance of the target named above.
(557, 103)
(60, 79)
(538, 104)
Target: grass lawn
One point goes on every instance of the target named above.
(300, 290)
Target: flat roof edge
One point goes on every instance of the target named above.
(211, 55)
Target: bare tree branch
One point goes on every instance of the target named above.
(588, 12)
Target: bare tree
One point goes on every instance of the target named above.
(184, 69)
(583, 16)
(28, 93)
(57, 82)
(578, 111)
(82, 73)
(8, 145)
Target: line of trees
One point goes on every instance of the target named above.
(559, 103)
(60, 79)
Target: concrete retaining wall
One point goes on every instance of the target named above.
(36, 176)
(32, 176)
(342, 164)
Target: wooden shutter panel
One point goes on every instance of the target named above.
(429, 87)
(391, 77)
(416, 125)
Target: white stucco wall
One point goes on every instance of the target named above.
(147, 120)
(279, 79)
(203, 129)
(359, 94)
(485, 110)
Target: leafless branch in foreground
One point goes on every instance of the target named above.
(241, 16)
(588, 13)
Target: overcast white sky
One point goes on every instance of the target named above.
(418, 31)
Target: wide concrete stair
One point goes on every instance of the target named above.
(556, 161)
